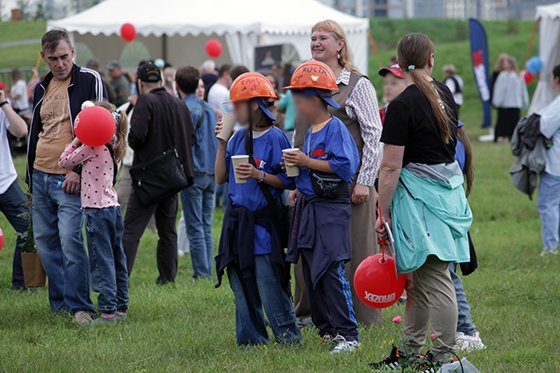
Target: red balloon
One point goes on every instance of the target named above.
(528, 77)
(128, 32)
(376, 282)
(1, 239)
(213, 48)
(94, 126)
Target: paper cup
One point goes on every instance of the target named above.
(228, 124)
(291, 171)
(237, 160)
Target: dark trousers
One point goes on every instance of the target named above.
(13, 206)
(332, 310)
(135, 222)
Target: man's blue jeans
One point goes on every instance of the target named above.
(198, 208)
(13, 206)
(464, 320)
(266, 290)
(104, 228)
(57, 227)
(549, 210)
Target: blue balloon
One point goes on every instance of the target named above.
(534, 65)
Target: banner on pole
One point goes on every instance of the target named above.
(480, 56)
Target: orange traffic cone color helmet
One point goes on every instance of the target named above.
(248, 86)
(314, 78)
(313, 74)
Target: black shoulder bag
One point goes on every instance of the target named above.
(281, 212)
(159, 178)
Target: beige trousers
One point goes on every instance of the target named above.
(364, 242)
(431, 302)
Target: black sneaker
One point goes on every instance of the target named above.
(395, 361)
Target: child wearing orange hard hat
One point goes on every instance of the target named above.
(251, 248)
(320, 235)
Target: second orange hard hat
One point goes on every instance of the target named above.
(313, 74)
(251, 85)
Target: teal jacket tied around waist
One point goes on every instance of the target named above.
(430, 215)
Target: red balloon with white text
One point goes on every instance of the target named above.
(376, 282)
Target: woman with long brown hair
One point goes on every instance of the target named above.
(359, 111)
(421, 198)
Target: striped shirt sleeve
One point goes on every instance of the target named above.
(362, 106)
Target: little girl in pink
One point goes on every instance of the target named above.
(104, 222)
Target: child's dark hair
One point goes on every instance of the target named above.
(469, 167)
(187, 78)
(414, 51)
(119, 149)
(556, 72)
(258, 118)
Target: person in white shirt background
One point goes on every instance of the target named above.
(13, 203)
(455, 84)
(219, 92)
(18, 93)
(549, 187)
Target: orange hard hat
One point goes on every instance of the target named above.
(251, 85)
(313, 74)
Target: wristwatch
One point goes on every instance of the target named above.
(3, 103)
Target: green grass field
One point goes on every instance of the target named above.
(189, 327)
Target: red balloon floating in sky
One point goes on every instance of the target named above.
(95, 126)
(213, 48)
(128, 32)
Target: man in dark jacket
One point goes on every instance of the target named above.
(56, 207)
(160, 122)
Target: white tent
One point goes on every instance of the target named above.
(549, 52)
(179, 29)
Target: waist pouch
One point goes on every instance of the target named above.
(327, 185)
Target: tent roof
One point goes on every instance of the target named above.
(552, 11)
(194, 17)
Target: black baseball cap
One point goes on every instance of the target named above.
(149, 73)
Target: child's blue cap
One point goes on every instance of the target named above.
(313, 92)
(265, 108)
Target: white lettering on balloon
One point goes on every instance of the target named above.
(374, 298)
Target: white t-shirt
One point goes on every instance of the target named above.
(20, 89)
(450, 83)
(550, 128)
(7, 170)
(217, 95)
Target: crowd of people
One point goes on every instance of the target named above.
(241, 140)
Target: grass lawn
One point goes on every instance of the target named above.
(190, 326)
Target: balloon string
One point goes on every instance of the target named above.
(381, 242)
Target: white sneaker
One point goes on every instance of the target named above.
(469, 343)
(342, 345)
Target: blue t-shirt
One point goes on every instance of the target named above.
(460, 154)
(267, 152)
(333, 143)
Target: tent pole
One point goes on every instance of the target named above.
(164, 47)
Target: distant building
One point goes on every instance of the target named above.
(458, 9)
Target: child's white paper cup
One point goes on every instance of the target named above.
(291, 171)
(228, 124)
(237, 160)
